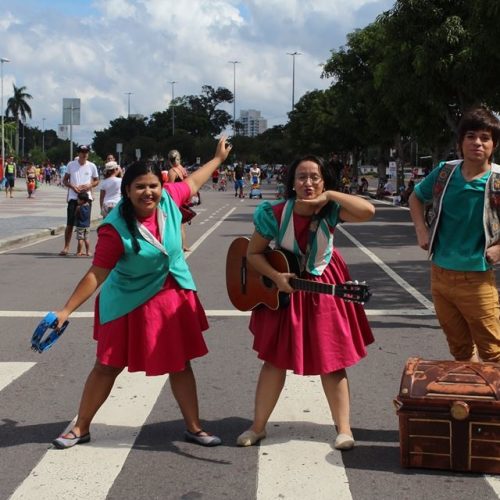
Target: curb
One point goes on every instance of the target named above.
(8, 243)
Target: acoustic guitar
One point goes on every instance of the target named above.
(247, 288)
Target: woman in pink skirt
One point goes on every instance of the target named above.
(147, 316)
(317, 334)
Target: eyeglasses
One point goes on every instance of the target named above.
(315, 179)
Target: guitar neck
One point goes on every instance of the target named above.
(312, 286)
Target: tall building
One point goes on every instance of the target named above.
(253, 123)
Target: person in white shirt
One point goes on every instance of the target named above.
(110, 192)
(81, 176)
(255, 174)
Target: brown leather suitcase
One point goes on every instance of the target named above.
(449, 415)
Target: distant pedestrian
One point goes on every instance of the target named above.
(110, 193)
(62, 172)
(81, 176)
(177, 173)
(238, 180)
(255, 174)
(215, 179)
(82, 216)
(31, 180)
(10, 175)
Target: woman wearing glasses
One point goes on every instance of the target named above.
(317, 334)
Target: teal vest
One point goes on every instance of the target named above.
(138, 277)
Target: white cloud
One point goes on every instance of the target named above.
(139, 46)
(116, 8)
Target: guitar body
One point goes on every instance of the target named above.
(247, 288)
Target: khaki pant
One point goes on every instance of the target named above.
(468, 311)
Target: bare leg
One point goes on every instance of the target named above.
(97, 388)
(185, 246)
(269, 387)
(336, 387)
(79, 247)
(67, 238)
(183, 386)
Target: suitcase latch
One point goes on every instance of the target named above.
(459, 410)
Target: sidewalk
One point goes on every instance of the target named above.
(23, 219)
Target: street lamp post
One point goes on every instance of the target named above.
(293, 54)
(173, 107)
(43, 135)
(128, 94)
(234, 63)
(3, 60)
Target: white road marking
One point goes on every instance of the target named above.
(207, 233)
(9, 371)
(221, 313)
(395, 276)
(494, 482)
(297, 459)
(89, 471)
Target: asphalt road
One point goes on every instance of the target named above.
(137, 450)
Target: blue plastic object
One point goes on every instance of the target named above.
(40, 341)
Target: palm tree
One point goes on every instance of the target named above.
(18, 108)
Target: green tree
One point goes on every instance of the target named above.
(18, 108)
(199, 115)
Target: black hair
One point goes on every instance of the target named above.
(127, 211)
(327, 174)
(480, 118)
(84, 196)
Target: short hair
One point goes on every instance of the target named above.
(84, 196)
(480, 118)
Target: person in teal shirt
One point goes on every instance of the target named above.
(463, 240)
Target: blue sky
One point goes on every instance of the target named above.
(101, 49)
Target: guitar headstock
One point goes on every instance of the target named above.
(353, 291)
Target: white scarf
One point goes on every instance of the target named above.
(321, 247)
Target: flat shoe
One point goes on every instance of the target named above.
(203, 438)
(249, 438)
(63, 442)
(344, 442)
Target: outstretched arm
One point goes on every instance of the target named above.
(85, 288)
(204, 173)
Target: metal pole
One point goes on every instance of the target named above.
(234, 63)
(173, 108)
(71, 133)
(43, 135)
(22, 149)
(3, 60)
(293, 54)
(128, 94)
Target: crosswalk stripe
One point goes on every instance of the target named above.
(297, 459)
(89, 471)
(9, 371)
(494, 482)
(222, 312)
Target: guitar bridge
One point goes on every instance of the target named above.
(243, 275)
